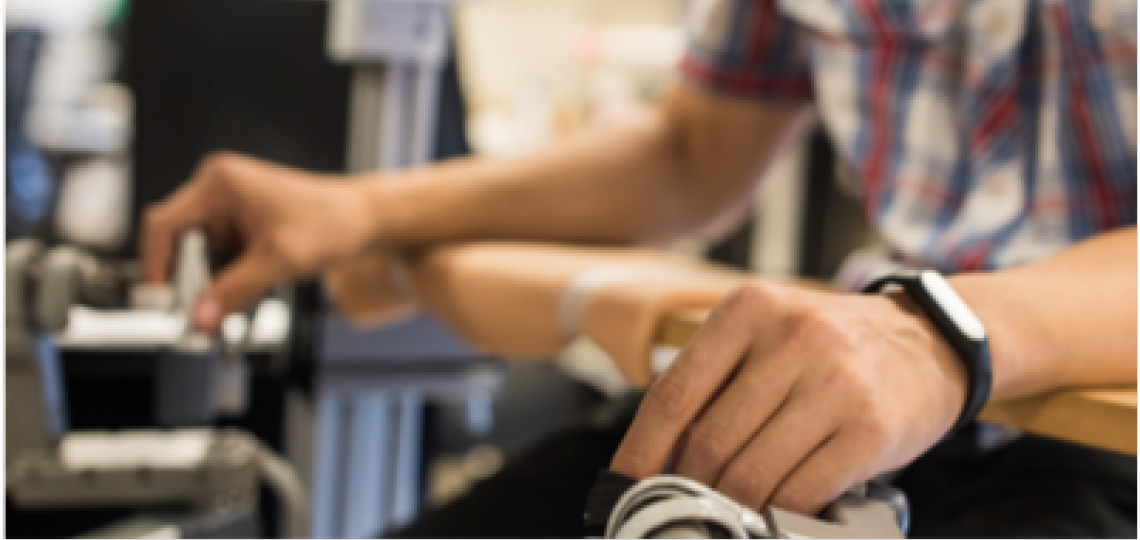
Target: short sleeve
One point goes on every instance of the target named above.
(746, 48)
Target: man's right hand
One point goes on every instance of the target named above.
(286, 224)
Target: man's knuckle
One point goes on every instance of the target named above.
(802, 326)
(668, 396)
(213, 162)
(221, 158)
(710, 444)
(734, 301)
(835, 381)
(855, 383)
(875, 429)
(746, 479)
(223, 165)
(755, 293)
(818, 325)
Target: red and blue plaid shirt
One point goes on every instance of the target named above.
(983, 134)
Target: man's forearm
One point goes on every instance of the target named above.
(1069, 320)
(612, 187)
(655, 179)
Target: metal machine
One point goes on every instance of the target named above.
(202, 482)
(372, 385)
(670, 506)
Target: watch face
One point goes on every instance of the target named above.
(952, 305)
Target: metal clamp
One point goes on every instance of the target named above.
(35, 412)
(213, 471)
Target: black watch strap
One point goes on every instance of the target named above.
(958, 325)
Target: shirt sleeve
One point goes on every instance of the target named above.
(746, 48)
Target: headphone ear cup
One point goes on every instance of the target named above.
(668, 506)
(682, 517)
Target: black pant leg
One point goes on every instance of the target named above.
(540, 493)
(1033, 487)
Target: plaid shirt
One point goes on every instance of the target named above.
(983, 134)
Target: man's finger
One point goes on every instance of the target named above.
(790, 436)
(699, 372)
(164, 225)
(842, 461)
(239, 285)
(752, 397)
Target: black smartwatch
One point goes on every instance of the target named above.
(958, 325)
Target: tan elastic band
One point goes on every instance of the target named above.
(576, 297)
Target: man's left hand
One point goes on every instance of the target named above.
(790, 396)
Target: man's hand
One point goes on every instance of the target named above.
(789, 396)
(288, 224)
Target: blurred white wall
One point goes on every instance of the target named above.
(76, 109)
(76, 61)
(534, 71)
(58, 15)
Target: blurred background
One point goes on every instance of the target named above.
(315, 427)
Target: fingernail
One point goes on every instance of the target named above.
(208, 313)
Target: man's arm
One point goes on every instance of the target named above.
(1068, 320)
(658, 178)
(790, 396)
(654, 179)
